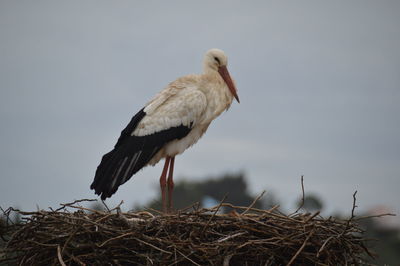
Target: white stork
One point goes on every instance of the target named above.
(170, 123)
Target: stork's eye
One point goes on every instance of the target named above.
(217, 59)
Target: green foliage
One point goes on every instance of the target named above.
(387, 244)
(233, 186)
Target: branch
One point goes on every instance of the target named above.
(302, 198)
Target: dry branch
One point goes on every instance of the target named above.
(245, 236)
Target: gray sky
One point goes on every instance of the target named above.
(319, 84)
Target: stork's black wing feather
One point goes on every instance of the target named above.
(130, 154)
(126, 133)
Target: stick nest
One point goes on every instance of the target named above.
(244, 236)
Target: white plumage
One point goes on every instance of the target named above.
(171, 122)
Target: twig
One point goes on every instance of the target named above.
(188, 258)
(68, 240)
(374, 216)
(215, 212)
(300, 249)
(150, 245)
(323, 245)
(227, 259)
(312, 217)
(63, 205)
(59, 256)
(302, 193)
(352, 215)
(195, 206)
(354, 205)
(114, 238)
(254, 202)
(118, 207)
(6, 214)
(230, 237)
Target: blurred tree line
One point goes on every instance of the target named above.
(234, 188)
(210, 192)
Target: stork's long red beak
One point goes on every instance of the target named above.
(223, 71)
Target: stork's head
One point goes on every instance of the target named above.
(216, 60)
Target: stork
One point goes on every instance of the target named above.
(171, 122)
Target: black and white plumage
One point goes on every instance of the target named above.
(170, 123)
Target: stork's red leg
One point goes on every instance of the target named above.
(163, 184)
(171, 183)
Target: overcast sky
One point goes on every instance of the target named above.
(319, 84)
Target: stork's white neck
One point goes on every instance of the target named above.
(209, 67)
(219, 98)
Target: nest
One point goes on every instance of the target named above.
(244, 236)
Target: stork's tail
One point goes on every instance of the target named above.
(118, 166)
